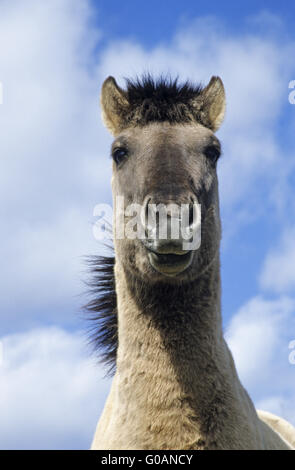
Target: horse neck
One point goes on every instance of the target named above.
(175, 373)
(179, 319)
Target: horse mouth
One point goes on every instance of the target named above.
(170, 264)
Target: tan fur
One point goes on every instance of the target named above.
(148, 407)
(176, 385)
(214, 97)
(112, 98)
(280, 426)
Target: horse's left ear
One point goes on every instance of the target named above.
(213, 97)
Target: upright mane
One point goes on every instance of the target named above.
(162, 99)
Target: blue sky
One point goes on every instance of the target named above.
(153, 22)
(54, 168)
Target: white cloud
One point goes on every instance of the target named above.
(278, 273)
(280, 405)
(50, 112)
(51, 394)
(258, 336)
(54, 164)
(46, 270)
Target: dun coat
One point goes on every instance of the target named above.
(157, 306)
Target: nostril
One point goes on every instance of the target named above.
(157, 219)
(148, 218)
(193, 208)
(191, 220)
(147, 211)
(191, 215)
(144, 214)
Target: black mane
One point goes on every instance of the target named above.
(162, 99)
(102, 309)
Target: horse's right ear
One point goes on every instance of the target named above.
(114, 105)
(213, 96)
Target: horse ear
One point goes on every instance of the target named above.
(114, 104)
(213, 97)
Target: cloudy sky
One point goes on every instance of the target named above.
(55, 167)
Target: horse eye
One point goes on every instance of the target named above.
(119, 155)
(213, 153)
